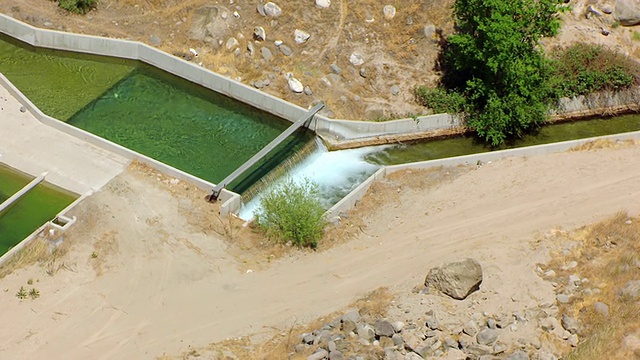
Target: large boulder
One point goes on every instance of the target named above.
(627, 12)
(209, 23)
(457, 279)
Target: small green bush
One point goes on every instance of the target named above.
(584, 68)
(293, 212)
(77, 6)
(440, 100)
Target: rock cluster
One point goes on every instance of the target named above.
(429, 331)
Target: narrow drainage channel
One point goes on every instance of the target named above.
(31, 211)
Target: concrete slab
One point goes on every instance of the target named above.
(32, 147)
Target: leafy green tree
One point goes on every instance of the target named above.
(495, 60)
(293, 212)
(77, 6)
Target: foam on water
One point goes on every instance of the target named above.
(335, 172)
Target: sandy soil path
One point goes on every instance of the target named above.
(162, 285)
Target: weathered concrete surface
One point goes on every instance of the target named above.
(32, 147)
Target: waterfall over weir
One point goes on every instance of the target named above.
(335, 172)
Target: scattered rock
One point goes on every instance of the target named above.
(389, 12)
(601, 308)
(562, 298)
(266, 53)
(259, 33)
(549, 324)
(518, 355)
(307, 91)
(487, 336)
(607, 8)
(631, 290)
(366, 332)
(352, 315)
(23, 109)
(570, 324)
(627, 12)
(457, 279)
(319, 355)
(398, 326)
(336, 355)
(363, 72)
(470, 328)
(499, 348)
(395, 90)
(323, 3)
(356, 59)
(397, 340)
(573, 340)
(432, 323)
(271, 9)
(284, 49)
(232, 43)
(205, 23)
(429, 31)
(384, 328)
(335, 69)
(260, 9)
(301, 36)
(155, 40)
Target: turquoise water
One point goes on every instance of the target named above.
(35, 208)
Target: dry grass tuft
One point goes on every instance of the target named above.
(608, 255)
(604, 144)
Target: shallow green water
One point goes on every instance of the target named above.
(38, 206)
(458, 146)
(60, 83)
(182, 124)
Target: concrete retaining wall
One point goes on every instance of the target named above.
(341, 130)
(349, 201)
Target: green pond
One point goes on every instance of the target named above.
(148, 110)
(38, 206)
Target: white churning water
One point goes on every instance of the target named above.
(335, 172)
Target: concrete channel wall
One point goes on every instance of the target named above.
(350, 201)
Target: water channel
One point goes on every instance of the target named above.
(209, 135)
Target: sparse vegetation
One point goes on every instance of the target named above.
(608, 256)
(77, 6)
(34, 293)
(292, 212)
(440, 100)
(585, 68)
(22, 293)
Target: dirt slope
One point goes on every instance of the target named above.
(159, 284)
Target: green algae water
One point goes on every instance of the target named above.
(185, 125)
(466, 145)
(31, 211)
(59, 83)
(149, 111)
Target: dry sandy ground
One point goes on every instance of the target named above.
(159, 284)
